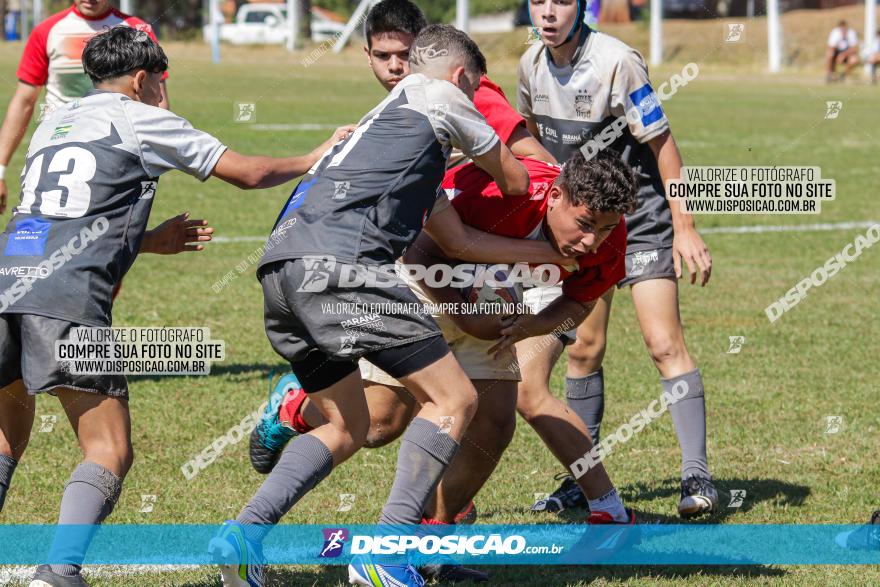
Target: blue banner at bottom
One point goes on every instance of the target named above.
(556, 544)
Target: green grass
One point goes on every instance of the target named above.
(767, 405)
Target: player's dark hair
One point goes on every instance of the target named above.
(604, 183)
(442, 40)
(394, 16)
(121, 50)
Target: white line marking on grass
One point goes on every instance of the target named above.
(239, 239)
(304, 126)
(19, 573)
(786, 228)
(716, 230)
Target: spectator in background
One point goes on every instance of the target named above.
(873, 56)
(843, 49)
(53, 58)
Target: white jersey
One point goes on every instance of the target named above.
(843, 40)
(572, 104)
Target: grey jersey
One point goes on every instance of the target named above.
(88, 184)
(368, 197)
(572, 104)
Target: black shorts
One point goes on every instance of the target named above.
(27, 351)
(646, 265)
(322, 328)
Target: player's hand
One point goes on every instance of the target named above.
(513, 330)
(177, 235)
(4, 191)
(688, 245)
(342, 133)
(482, 326)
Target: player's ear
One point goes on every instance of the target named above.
(554, 195)
(369, 57)
(138, 80)
(458, 78)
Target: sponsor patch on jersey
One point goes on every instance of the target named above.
(29, 238)
(61, 131)
(649, 106)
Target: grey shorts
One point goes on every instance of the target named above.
(27, 351)
(344, 323)
(645, 265)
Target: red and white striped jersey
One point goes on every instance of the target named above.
(53, 53)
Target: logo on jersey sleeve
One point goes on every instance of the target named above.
(148, 190)
(29, 238)
(340, 189)
(647, 104)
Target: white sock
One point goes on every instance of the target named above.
(610, 502)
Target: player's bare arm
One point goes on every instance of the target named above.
(687, 243)
(563, 310)
(522, 143)
(18, 116)
(457, 240)
(258, 172)
(510, 175)
(179, 234)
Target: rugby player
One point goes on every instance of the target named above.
(348, 217)
(579, 210)
(572, 85)
(52, 59)
(390, 28)
(74, 235)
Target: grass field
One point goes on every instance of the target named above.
(767, 405)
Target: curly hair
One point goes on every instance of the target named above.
(604, 183)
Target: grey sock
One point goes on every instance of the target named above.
(88, 499)
(689, 418)
(7, 468)
(302, 465)
(424, 454)
(586, 396)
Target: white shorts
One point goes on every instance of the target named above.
(538, 298)
(469, 351)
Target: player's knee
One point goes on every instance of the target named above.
(462, 404)
(388, 428)
(665, 348)
(587, 352)
(118, 457)
(529, 402)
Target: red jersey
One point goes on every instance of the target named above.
(480, 203)
(491, 102)
(53, 53)
(493, 105)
